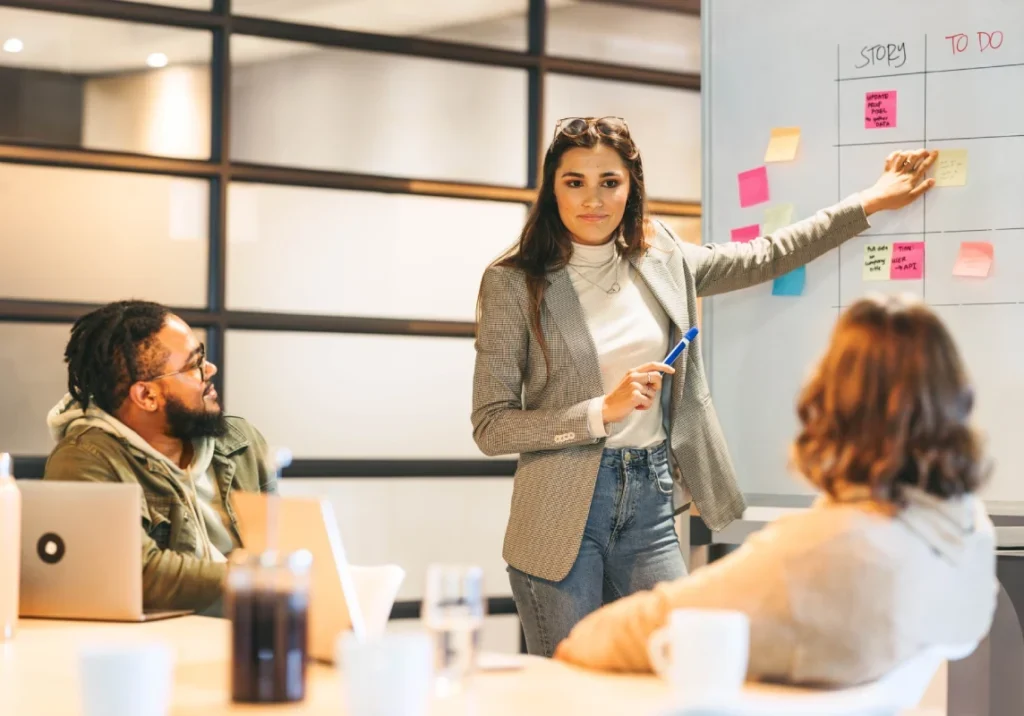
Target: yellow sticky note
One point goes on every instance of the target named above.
(776, 217)
(951, 169)
(877, 262)
(783, 144)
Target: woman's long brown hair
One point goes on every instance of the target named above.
(545, 244)
(888, 407)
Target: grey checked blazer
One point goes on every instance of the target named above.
(519, 408)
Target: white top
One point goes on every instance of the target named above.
(629, 328)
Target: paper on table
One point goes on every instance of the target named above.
(951, 168)
(907, 261)
(783, 144)
(746, 233)
(753, 187)
(974, 260)
(790, 284)
(877, 259)
(880, 110)
(776, 217)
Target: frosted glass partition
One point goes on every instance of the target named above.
(348, 110)
(304, 250)
(664, 122)
(354, 396)
(97, 236)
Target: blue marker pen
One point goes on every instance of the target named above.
(681, 346)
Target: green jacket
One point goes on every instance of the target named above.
(172, 576)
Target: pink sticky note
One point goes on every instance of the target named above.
(746, 233)
(753, 187)
(974, 260)
(907, 261)
(880, 110)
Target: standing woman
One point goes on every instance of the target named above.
(572, 324)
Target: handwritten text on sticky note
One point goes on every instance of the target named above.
(951, 169)
(753, 187)
(877, 260)
(974, 260)
(880, 110)
(783, 144)
(790, 284)
(907, 261)
(746, 233)
(776, 217)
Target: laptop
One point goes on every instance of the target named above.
(81, 552)
(307, 523)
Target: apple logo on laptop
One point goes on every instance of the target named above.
(50, 548)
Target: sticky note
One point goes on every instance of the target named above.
(877, 261)
(880, 110)
(951, 168)
(790, 284)
(746, 233)
(783, 144)
(776, 217)
(974, 260)
(753, 187)
(907, 261)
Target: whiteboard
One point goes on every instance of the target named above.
(811, 64)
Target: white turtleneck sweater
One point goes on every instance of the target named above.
(629, 328)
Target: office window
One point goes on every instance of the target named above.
(664, 122)
(303, 250)
(497, 23)
(354, 396)
(345, 110)
(103, 84)
(96, 236)
(625, 36)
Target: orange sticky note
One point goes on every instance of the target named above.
(783, 144)
(974, 260)
(746, 233)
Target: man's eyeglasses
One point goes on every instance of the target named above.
(199, 365)
(578, 126)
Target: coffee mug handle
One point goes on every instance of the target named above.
(657, 648)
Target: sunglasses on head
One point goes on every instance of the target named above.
(578, 126)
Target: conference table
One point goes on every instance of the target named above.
(38, 675)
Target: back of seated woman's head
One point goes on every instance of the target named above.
(888, 407)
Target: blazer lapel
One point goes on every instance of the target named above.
(565, 308)
(663, 286)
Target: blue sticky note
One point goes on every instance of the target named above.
(790, 284)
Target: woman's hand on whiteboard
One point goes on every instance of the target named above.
(902, 181)
(635, 391)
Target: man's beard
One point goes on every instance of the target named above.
(185, 423)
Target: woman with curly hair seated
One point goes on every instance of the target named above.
(897, 553)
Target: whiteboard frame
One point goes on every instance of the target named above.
(995, 508)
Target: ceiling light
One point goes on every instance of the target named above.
(157, 59)
(14, 45)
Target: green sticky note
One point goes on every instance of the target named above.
(790, 284)
(951, 169)
(776, 217)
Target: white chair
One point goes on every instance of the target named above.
(376, 589)
(902, 688)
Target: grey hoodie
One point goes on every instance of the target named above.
(217, 539)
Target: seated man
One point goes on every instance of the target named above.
(141, 408)
(896, 555)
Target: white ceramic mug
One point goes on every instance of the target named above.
(391, 675)
(126, 679)
(703, 654)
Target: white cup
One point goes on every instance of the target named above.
(126, 679)
(391, 675)
(703, 654)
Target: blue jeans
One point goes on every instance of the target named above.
(629, 545)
